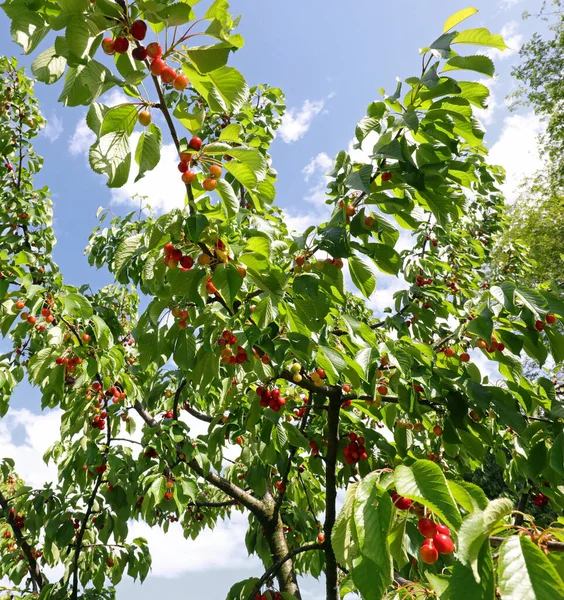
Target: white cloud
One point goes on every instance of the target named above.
(506, 4)
(322, 162)
(517, 151)
(173, 555)
(296, 123)
(486, 115)
(38, 433)
(513, 39)
(54, 128)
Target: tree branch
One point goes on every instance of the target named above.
(269, 573)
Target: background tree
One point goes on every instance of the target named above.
(252, 332)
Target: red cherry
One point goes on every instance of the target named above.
(168, 75)
(139, 53)
(215, 171)
(139, 29)
(540, 325)
(464, 357)
(438, 430)
(402, 503)
(188, 177)
(195, 143)
(182, 166)
(154, 50)
(346, 388)
(443, 529)
(427, 527)
(428, 552)
(443, 544)
(382, 390)
(121, 44)
(209, 184)
(187, 262)
(158, 65)
(551, 319)
(180, 82)
(108, 46)
(449, 352)
(386, 176)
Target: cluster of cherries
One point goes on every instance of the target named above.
(173, 257)
(269, 596)
(70, 362)
(421, 281)
(465, 357)
(437, 540)
(31, 319)
(270, 398)
(18, 521)
(492, 347)
(355, 451)
(540, 499)
(189, 176)
(229, 357)
(550, 320)
(158, 67)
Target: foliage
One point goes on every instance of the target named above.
(252, 331)
(542, 84)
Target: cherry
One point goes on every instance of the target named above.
(427, 527)
(242, 271)
(139, 29)
(369, 222)
(382, 390)
(121, 44)
(346, 388)
(154, 50)
(168, 75)
(540, 325)
(144, 118)
(20, 305)
(449, 352)
(443, 543)
(187, 262)
(209, 184)
(31, 320)
(265, 359)
(185, 157)
(182, 166)
(428, 552)
(108, 46)
(210, 287)
(321, 373)
(320, 538)
(85, 338)
(45, 312)
(139, 53)
(401, 503)
(239, 440)
(438, 430)
(158, 65)
(386, 176)
(180, 82)
(443, 529)
(215, 171)
(300, 260)
(551, 319)
(482, 344)
(464, 357)
(195, 143)
(188, 177)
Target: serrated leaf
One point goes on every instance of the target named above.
(228, 197)
(148, 152)
(458, 17)
(477, 63)
(480, 37)
(48, 67)
(363, 274)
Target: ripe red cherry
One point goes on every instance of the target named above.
(85, 337)
(121, 44)
(157, 66)
(187, 262)
(438, 430)
(180, 82)
(20, 305)
(195, 143)
(108, 46)
(139, 29)
(45, 312)
(402, 503)
(449, 352)
(443, 529)
(346, 388)
(428, 552)
(464, 357)
(540, 325)
(215, 171)
(550, 319)
(182, 166)
(154, 50)
(188, 177)
(443, 544)
(369, 222)
(382, 390)
(386, 176)
(168, 75)
(427, 527)
(31, 320)
(139, 53)
(209, 184)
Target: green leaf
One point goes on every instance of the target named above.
(363, 274)
(469, 496)
(295, 436)
(111, 156)
(464, 586)
(195, 226)
(224, 89)
(458, 17)
(480, 64)
(125, 251)
(474, 92)
(148, 152)
(557, 454)
(227, 194)
(48, 67)
(425, 482)
(341, 537)
(77, 306)
(228, 282)
(556, 342)
(361, 179)
(525, 573)
(477, 528)
(209, 58)
(28, 27)
(119, 118)
(480, 37)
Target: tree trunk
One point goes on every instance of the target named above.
(286, 576)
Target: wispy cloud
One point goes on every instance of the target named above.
(513, 39)
(54, 128)
(296, 122)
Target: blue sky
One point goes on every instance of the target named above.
(330, 58)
